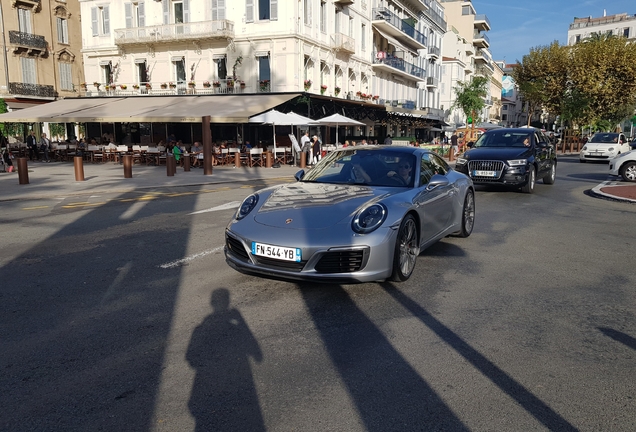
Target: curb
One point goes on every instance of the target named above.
(598, 193)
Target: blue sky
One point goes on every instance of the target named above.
(519, 26)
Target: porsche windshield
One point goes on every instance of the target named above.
(367, 167)
(503, 138)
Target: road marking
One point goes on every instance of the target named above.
(35, 208)
(230, 205)
(187, 259)
(132, 210)
(80, 205)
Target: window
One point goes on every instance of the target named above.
(263, 69)
(337, 21)
(62, 30)
(626, 32)
(100, 20)
(307, 12)
(107, 72)
(221, 65)
(363, 37)
(323, 16)
(427, 169)
(24, 20)
(179, 70)
(609, 32)
(350, 26)
(218, 10)
(135, 15)
(504, 117)
(505, 107)
(142, 71)
(578, 38)
(29, 75)
(267, 10)
(466, 10)
(66, 76)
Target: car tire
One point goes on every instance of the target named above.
(406, 250)
(551, 177)
(582, 160)
(529, 187)
(628, 172)
(468, 214)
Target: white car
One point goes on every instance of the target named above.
(624, 165)
(604, 146)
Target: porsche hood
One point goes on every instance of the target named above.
(314, 205)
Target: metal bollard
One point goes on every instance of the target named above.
(128, 163)
(23, 171)
(78, 164)
(268, 159)
(186, 162)
(303, 159)
(237, 160)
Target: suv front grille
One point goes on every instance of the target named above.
(486, 165)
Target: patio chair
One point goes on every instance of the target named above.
(256, 157)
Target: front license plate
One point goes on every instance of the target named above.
(276, 252)
(485, 173)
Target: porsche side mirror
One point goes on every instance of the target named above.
(299, 175)
(436, 181)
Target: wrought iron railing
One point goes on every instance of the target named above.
(406, 28)
(394, 61)
(24, 89)
(27, 39)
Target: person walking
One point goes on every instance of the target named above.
(388, 140)
(32, 146)
(454, 145)
(45, 147)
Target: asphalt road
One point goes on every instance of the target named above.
(119, 313)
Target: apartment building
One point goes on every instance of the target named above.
(617, 25)
(466, 46)
(41, 59)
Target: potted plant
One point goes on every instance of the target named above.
(336, 91)
(264, 84)
(206, 84)
(307, 84)
(376, 97)
(164, 85)
(96, 84)
(242, 83)
(217, 84)
(229, 83)
(136, 86)
(148, 86)
(83, 85)
(172, 85)
(123, 86)
(107, 87)
(192, 84)
(323, 89)
(359, 93)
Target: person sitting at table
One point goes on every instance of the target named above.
(197, 151)
(176, 151)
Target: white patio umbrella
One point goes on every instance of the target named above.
(337, 120)
(298, 119)
(274, 118)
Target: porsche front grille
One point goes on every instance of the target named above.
(341, 262)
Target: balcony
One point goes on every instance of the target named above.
(401, 103)
(32, 90)
(483, 56)
(342, 42)
(28, 43)
(481, 40)
(395, 63)
(484, 70)
(433, 52)
(439, 20)
(223, 86)
(402, 30)
(432, 82)
(193, 31)
(482, 23)
(434, 113)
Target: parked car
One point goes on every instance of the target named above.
(624, 165)
(514, 157)
(604, 146)
(362, 214)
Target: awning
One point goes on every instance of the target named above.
(171, 109)
(394, 42)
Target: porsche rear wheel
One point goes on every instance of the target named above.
(406, 250)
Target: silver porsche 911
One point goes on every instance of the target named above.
(362, 214)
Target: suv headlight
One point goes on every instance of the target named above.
(247, 206)
(369, 218)
(517, 162)
(461, 161)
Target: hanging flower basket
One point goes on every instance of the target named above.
(172, 85)
(230, 83)
(164, 85)
(136, 86)
(242, 83)
(148, 86)
(123, 86)
(192, 84)
(206, 84)
(96, 84)
(336, 91)
(217, 84)
(307, 84)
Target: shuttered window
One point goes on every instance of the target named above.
(128, 11)
(273, 15)
(249, 10)
(24, 20)
(66, 76)
(62, 30)
(29, 75)
(218, 10)
(100, 20)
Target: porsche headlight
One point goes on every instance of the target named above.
(517, 162)
(369, 218)
(247, 206)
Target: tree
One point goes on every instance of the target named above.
(9, 129)
(470, 97)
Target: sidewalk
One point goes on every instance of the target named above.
(47, 180)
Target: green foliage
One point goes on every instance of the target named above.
(470, 96)
(10, 129)
(57, 130)
(589, 82)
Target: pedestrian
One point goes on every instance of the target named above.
(306, 146)
(32, 145)
(388, 140)
(45, 148)
(317, 150)
(454, 145)
(8, 159)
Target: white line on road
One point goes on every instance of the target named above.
(190, 258)
(230, 205)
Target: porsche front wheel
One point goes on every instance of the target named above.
(406, 250)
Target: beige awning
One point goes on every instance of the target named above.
(171, 109)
